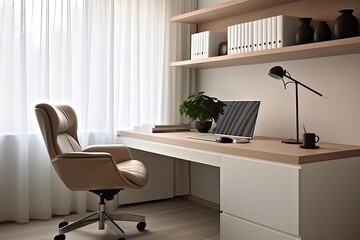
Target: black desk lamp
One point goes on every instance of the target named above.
(278, 72)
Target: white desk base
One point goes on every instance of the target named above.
(263, 199)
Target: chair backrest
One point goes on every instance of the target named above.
(58, 126)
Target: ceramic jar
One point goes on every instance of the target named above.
(322, 32)
(305, 33)
(346, 25)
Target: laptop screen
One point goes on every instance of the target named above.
(239, 118)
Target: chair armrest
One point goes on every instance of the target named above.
(89, 155)
(88, 170)
(119, 152)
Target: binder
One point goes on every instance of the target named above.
(206, 36)
(274, 32)
(264, 34)
(269, 33)
(235, 39)
(233, 35)
(250, 37)
(195, 51)
(242, 26)
(246, 38)
(239, 38)
(203, 40)
(229, 40)
(255, 35)
(287, 27)
(192, 51)
(260, 32)
(197, 46)
(201, 45)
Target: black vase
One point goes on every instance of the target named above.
(346, 25)
(322, 32)
(305, 33)
(203, 127)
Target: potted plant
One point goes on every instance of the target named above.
(202, 109)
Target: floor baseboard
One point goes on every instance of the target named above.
(201, 201)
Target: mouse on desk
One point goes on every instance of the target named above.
(225, 140)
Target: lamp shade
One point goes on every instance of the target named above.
(277, 72)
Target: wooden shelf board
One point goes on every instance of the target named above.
(226, 10)
(312, 50)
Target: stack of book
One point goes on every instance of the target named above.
(272, 32)
(206, 44)
(159, 128)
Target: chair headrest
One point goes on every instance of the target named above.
(55, 121)
(62, 117)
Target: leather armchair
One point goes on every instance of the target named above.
(102, 169)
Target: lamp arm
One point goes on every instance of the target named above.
(308, 88)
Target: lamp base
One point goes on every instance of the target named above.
(291, 141)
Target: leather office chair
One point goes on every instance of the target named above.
(101, 169)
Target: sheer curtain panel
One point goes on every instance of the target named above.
(109, 59)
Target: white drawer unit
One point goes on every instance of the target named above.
(265, 200)
(261, 191)
(232, 228)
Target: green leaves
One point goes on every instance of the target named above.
(201, 107)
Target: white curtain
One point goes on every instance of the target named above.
(109, 59)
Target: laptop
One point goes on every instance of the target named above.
(237, 122)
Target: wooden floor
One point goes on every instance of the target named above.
(174, 219)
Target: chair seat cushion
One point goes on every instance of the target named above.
(134, 171)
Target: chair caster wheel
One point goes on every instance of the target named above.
(63, 224)
(141, 226)
(59, 237)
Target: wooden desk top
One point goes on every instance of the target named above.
(260, 147)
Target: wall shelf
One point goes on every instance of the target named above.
(218, 17)
(312, 50)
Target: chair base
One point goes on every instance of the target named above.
(101, 216)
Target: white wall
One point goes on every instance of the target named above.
(335, 118)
